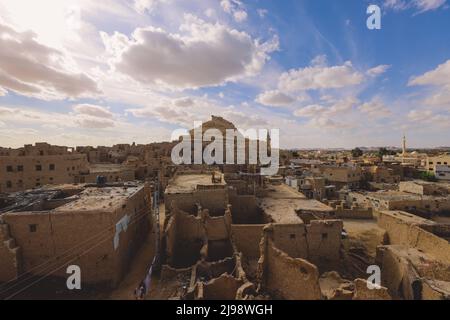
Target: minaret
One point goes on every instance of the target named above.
(404, 145)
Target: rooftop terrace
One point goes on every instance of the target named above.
(187, 183)
(282, 204)
(66, 198)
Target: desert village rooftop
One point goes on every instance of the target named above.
(71, 198)
(187, 183)
(94, 198)
(393, 195)
(281, 203)
(407, 218)
(105, 167)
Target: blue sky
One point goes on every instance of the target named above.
(99, 73)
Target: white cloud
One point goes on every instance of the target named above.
(86, 121)
(378, 70)
(437, 77)
(235, 8)
(420, 5)
(375, 108)
(310, 111)
(183, 102)
(206, 55)
(85, 116)
(320, 61)
(419, 115)
(93, 110)
(336, 108)
(439, 81)
(143, 6)
(240, 16)
(210, 12)
(262, 12)
(327, 123)
(33, 69)
(318, 77)
(274, 98)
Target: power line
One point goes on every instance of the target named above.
(77, 256)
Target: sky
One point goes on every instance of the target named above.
(84, 72)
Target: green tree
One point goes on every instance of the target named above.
(383, 152)
(357, 152)
(427, 176)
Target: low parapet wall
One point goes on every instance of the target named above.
(353, 213)
(411, 231)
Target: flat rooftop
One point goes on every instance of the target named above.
(407, 218)
(188, 183)
(93, 198)
(282, 203)
(66, 198)
(392, 195)
(107, 167)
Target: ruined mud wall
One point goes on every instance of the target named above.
(218, 228)
(324, 243)
(319, 242)
(10, 255)
(291, 239)
(353, 213)
(222, 288)
(215, 200)
(244, 209)
(288, 278)
(247, 238)
(185, 235)
(398, 274)
(403, 232)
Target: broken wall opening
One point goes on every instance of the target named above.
(186, 253)
(205, 271)
(184, 238)
(219, 250)
(245, 210)
(223, 288)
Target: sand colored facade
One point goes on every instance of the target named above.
(34, 166)
(415, 265)
(97, 228)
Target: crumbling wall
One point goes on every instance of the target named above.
(218, 228)
(324, 242)
(363, 292)
(189, 237)
(291, 239)
(185, 235)
(353, 213)
(10, 255)
(245, 210)
(412, 274)
(408, 230)
(222, 288)
(216, 200)
(319, 242)
(286, 277)
(247, 238)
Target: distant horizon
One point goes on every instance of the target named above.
(289, 149)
